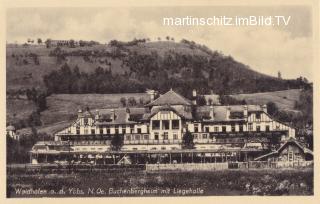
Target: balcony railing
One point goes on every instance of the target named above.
(151, 142)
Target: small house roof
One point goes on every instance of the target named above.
(11, 128)
(289, 141)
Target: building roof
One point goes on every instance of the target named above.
(11, 128)
(220, 112)
(120, 116)
(180, 111)
(170, 98)
(290, 141)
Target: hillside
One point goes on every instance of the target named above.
(285, 100)
(98, 76)
(126, 67)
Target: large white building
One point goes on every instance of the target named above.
(241, 132)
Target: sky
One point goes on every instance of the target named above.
(266, 49)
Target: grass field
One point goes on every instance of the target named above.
(62, 108)
(203, 183)
(285, 100)
(19, 109)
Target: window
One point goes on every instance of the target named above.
(165, 136)
(258, 128)
(196, 128)
(137, 137)
(290, 156)
(250, 127)
(128, 137)
(216, 129)
(204, 136)
(165, 124)
(156, 136)
(131, 129)
(163, 148)
(267, 128)
(86, 131)
(139, 130)
(224, 129)
(206, 129)
(85, 121)
(155, 124)
(123, 130)
(116, 131)
(101, 131)
(93, 131)
(175, 136)
(108, 130)
(258, 116)
(233, 128)
(240, 128)
(175, 124)
(146, 137)
(195, 136)
(78, 130)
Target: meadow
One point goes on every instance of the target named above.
(274, 182)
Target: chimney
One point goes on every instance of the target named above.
(113, 115)
(211, 112)
(228, 113)
(194, 97)
(245, 111)
(80, 115)
(97, 114)
(264, 108)
(127, 114)
(152, 94)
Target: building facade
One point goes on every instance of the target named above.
(220, 133)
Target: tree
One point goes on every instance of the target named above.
(187, 141)
(272, 108)
(117, 142)
(39, 41)
(48, 43)
(132, 101)
(72, 43)
(201, 101)
(141, 101)
(123, 101)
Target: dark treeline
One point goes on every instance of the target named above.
(67, 80)
(210, 72)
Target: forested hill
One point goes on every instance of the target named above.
(135, 66)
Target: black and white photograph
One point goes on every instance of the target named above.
(160, 100)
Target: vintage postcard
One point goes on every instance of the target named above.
(198, 99)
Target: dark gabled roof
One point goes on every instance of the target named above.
(290, 141)
(170, 98)
(220, 112)
(180, 111)
(120, 116)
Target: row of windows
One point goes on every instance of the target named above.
(165, 136)
(108, 131)
(233, 128)
(175, 124)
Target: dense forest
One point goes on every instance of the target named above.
(211, 72)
